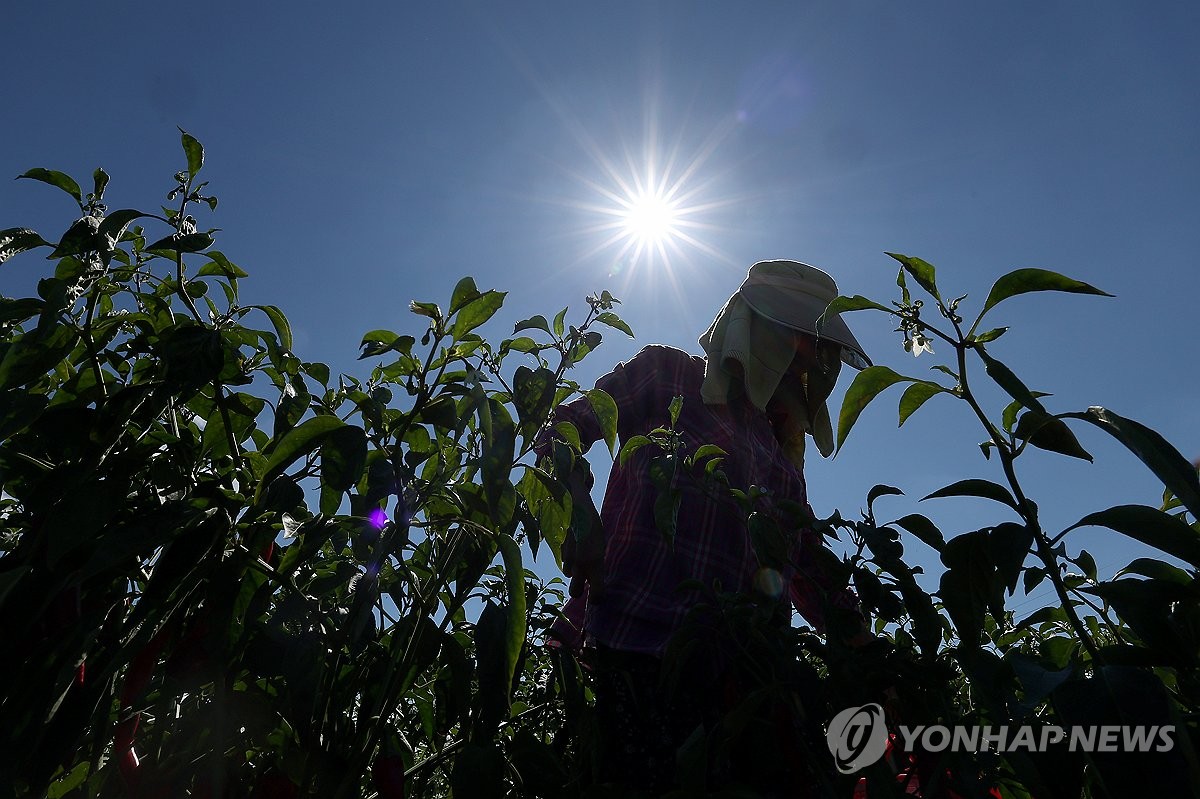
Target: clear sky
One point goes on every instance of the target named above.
(366, 154)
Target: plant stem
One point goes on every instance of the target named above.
(1025, 507)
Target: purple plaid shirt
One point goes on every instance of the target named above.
(642, 604)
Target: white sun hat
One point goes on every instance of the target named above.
(795, 295)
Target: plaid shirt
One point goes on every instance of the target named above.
(643, 604)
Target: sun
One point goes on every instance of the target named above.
(653, 203)
(650, 218)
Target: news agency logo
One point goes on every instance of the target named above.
(857, 737)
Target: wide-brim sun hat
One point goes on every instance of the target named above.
(796, 295)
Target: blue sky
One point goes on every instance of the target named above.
(374, 153)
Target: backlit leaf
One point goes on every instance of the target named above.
(1174, 470)
(925, 530)
(536, 322)
(1022, 281)
(606, 412)
(477, 311)
(194, 152)
(1150, 526)
(866, 386)
(879, 491)
(915, 396)
(922, 271)
(1050, 433)
(1008, 381)
(17, 240)
(298, 442)
(55, 178)
(612, 320)
(975, 488)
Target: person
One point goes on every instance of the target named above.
(770, 362)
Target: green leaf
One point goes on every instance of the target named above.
(536, 322)
(675, 407)
(477, 311)
(922, 271)
(113, 226)
(1156, 570)
(1009, 417)
(976, 488)
(1150, 526)
(377, 342)
(879, 491)
(427, 309)
(925, 530)
(55, 178)
(1008, 381)
(464, 292)
(343, 457)
(707, 451)
(846, 304)
(612, 320)
(1023, 281)
(1050, 433)
(194, 152)
(69, 781)
(1087, 563)
(606, 412)
(441, 412)
(80, 237)
(570, 434)
(220, 265)
(1033, 576)
(317, 371)
(767, 540)
(915, 396)
(866, 386)
(631, 446)
(533, 393)
(498, 454)
(298, 442)
(559, 327)
(514, 580)
(283, 329)
(17, 240)
(1155, 451)
(519, 344)
(99, 183)
(990, 335)
(183, 242)
(1010, 543)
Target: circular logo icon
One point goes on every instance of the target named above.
(857, 737)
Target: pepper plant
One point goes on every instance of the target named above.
(228, 571)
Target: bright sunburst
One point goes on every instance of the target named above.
(650, 218)
(652, 208)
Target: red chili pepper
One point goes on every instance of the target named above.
(268, 552)
(127, 759)
(137, 676)
(388, 775)
(81, 672)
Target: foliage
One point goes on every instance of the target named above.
(1120, 651)
(228, 572)
(231, 572)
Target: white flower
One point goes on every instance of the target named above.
(921, 344)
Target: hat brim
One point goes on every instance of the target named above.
(802, 311)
